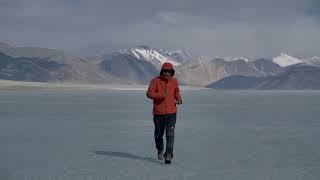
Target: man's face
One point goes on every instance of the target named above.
(167, 72)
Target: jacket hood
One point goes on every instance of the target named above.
(167, 66)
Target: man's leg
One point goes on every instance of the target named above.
(170, 126)
(159, 127)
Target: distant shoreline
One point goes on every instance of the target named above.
(7, 85)
(29, 86)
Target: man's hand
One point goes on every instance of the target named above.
(179, 101)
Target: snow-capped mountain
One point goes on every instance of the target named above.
(204, 70)
(180, 56)
(135, 65)
(315, 58)
(235, 59)
(154, 56)
(313, 61)
(293, 77)
(285, 60)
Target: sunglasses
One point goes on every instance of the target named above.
(167, 71)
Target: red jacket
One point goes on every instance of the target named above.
(164, 105)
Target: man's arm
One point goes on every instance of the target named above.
(177, 95)
(151, 93)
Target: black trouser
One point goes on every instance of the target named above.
(164, 122)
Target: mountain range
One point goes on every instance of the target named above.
(295, 77)
(140, 64)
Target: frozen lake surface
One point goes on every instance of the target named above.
(104, 135)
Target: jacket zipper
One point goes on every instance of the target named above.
(165, 99)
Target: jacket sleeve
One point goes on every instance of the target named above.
(177, 93)
(151, 93)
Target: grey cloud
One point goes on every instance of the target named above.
(252, 28)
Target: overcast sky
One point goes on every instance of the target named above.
(248, 28)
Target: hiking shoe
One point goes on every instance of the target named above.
(160, 155)
(167, 159)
